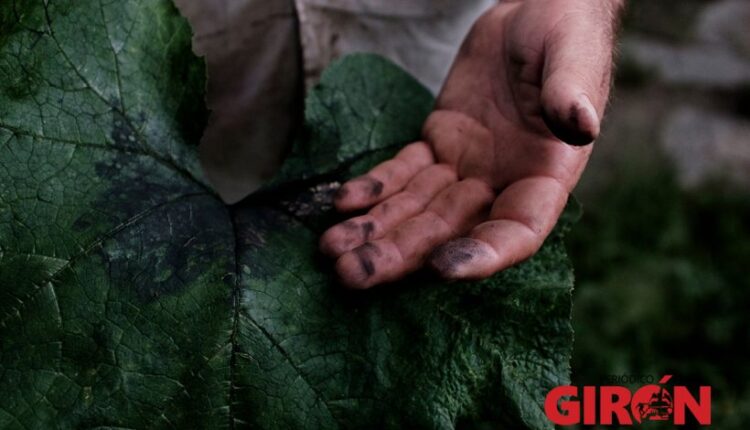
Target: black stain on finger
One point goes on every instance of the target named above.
(368, 229)
(364, 254)
(573, 118)
(371, 186)
(375, 187)
(448, 258)
(350, 225)
(342, 192)
(367, 266)
(351, 235)
(567, 127)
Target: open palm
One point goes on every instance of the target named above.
(487, 183)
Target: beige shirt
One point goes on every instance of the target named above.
(262, 54)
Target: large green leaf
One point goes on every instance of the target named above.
(131, 296)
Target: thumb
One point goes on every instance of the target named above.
(576, 76)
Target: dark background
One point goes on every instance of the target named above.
(662, 253)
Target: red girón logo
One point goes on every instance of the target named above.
(567, 405)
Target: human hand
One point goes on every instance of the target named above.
(490, 178)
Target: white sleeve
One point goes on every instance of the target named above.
(422, 36)
(254, 89)
(258, 58)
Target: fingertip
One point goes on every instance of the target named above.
(348, 235)
(329, 243)
(575, 122)
(342, 198)
(349, 271)
(357, 267)
(358, 193)
(341, 193)
(464, 258)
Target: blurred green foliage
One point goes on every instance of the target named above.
(668, 19)
(663, 288)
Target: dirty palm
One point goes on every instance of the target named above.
(132, 296)
(491, 165)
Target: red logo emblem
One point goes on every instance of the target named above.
(618, 405)
(653, 402)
